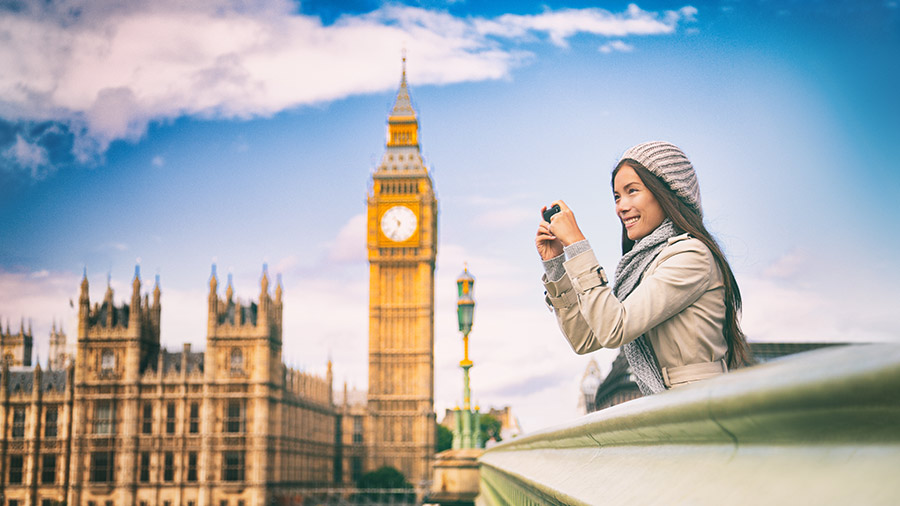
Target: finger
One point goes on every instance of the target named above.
(562, 205)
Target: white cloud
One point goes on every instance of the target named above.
(29, 156)
(107, 69)
(616, 45)
(350, 243)
(158, 161)
(563, 24)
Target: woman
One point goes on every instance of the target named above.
(675, 304)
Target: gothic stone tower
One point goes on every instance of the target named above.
(402, 244)
(16, 349)
(242, 365)
(115, 345)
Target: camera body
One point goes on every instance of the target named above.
(550, 211)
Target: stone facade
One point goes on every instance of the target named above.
(129, 422)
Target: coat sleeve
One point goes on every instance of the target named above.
(591, 317)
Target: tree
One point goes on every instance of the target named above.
(490, 427)
(444, 438)
(375, 483)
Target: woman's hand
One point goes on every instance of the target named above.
(548, 245)
(564, 232)
(563, 226)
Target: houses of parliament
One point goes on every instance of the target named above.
(127, 422)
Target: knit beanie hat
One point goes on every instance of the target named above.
(672, 166)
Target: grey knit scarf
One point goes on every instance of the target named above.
(628, 274)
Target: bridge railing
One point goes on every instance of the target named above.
(821, 427)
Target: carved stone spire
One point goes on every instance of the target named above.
(278, 290)
(264, 283)
(213, 282)
(156, 292)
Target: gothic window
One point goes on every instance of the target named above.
(169, 467)
(51, 416)
(145, 467)
(147, 419)
(48, 470)
(103, 418)
(234, 416)
(237, 360)
(192, 467)
(102, 467)
(15, 469)
(195, 418)
(18, 428)
(233, 466)
(107, 361)
(170, 418)
(357, 430)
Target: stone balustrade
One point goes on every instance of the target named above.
(821, 427)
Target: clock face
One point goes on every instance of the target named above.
(398, 223)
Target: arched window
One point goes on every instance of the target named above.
(107, 360)
(237, 360)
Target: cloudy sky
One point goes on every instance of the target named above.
(178, 134)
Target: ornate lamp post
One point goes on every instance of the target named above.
(467, 433)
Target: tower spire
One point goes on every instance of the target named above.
(403, 105)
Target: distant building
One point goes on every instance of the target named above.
(353, 410)
(58, 351)
(764, 352)
(619, 385)
(590, 381)
(509, 423)
(130, 423)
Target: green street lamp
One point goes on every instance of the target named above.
(467, 433)
(465, 309)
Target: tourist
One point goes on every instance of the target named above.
(674, 306)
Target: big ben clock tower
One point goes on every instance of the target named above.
(402, 243)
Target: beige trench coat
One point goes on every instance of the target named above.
(679, 304)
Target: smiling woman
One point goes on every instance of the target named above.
(675, 303)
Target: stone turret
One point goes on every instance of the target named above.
(122, 340)
(238, 330)
(17, 348)
(58, 355)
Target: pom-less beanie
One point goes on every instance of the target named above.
(672, 166)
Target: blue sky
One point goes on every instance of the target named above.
(177, 136)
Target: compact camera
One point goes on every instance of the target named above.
(550, 212)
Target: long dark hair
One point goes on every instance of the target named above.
(686, 219)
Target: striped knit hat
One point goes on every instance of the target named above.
(670, 164)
